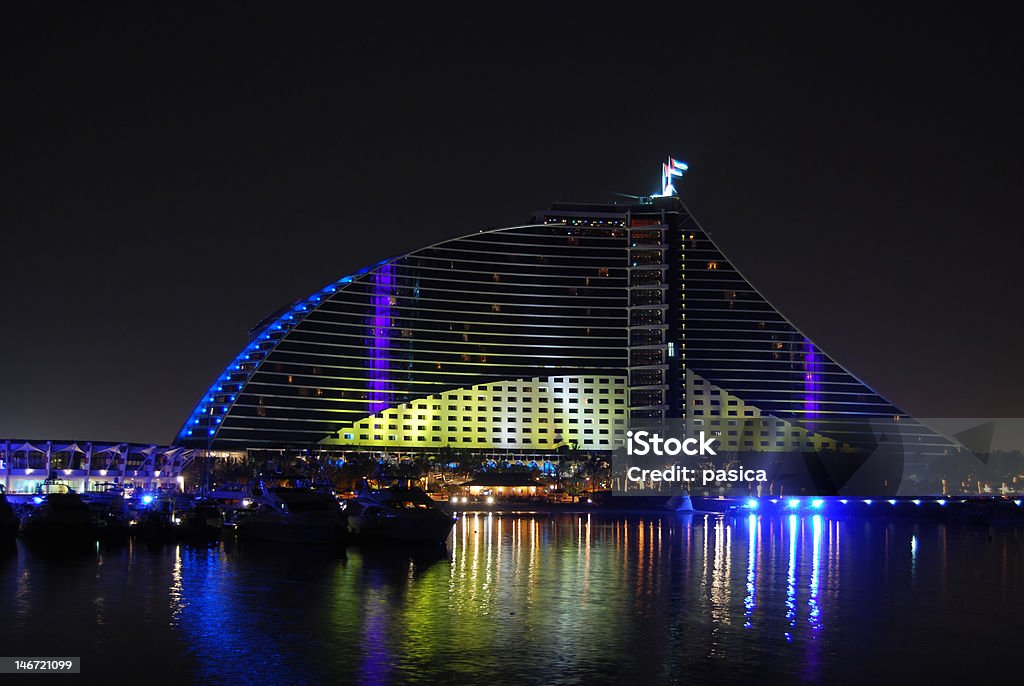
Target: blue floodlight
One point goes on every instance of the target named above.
(817, 503)
(793, 503)
(752, 504)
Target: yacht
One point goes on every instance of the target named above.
(8, 519)
(179, 518)
(202, 521)
(57, 514)
(284, 514)
(397, 513)
(229, 497)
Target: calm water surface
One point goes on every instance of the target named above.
(545, 599)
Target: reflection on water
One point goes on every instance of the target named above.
(595, 598)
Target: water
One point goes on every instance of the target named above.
(545, 599)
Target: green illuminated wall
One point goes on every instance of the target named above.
(522, 414)
(742, 426)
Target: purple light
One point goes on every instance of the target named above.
(380, 334)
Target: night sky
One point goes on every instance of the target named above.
(170, 177)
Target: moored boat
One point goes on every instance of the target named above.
(284, 514)
(110, 512)
(58, 517)
(400, 513)
(8, 518)
(229, 496)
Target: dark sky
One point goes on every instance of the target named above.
(170, 177)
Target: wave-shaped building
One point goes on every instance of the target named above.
(564, 332)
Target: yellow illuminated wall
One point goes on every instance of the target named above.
(741, 426)
(521, 414)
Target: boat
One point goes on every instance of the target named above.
(58, 514)
(203, 521)
(680, 502)
(400, 513)
(611, 500)
(8, 518)
(109, 510)
(290, 514)
(229, 496)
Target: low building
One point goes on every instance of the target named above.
(86, 466)
(508, 485)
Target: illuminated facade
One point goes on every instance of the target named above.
(518, 414)
(567, 331)
(525, 302)
(87, 466)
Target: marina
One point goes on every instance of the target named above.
(291, 510)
